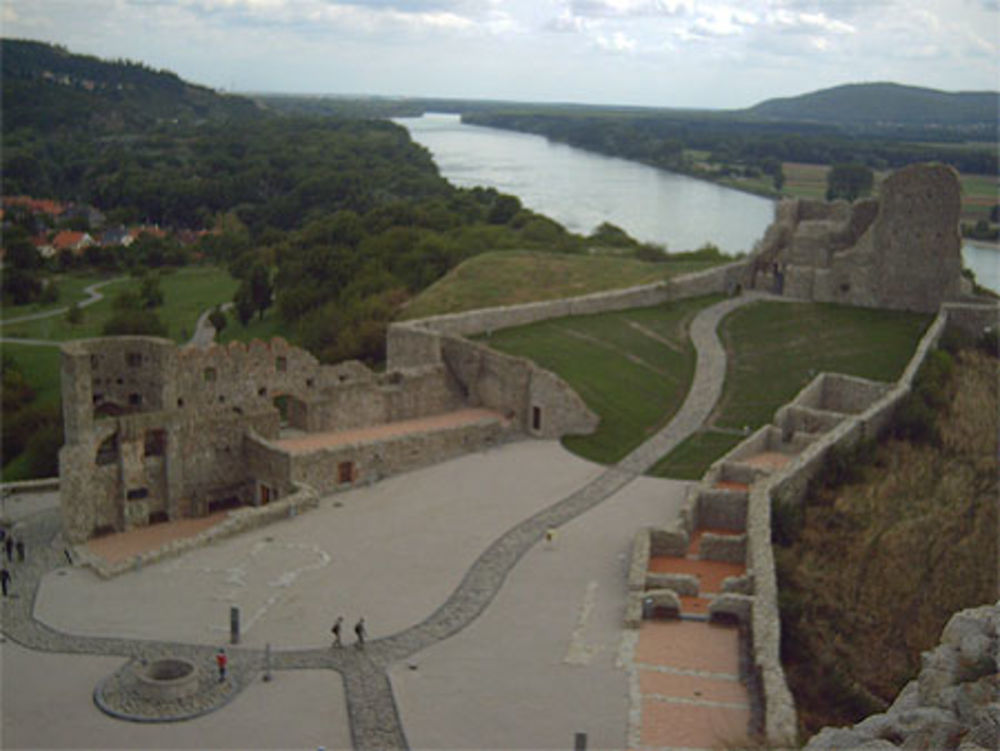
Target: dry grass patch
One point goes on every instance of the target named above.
(880, 564)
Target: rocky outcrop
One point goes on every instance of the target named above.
(954, 705)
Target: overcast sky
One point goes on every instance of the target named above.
(679, 53)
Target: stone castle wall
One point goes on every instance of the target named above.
(901, 251)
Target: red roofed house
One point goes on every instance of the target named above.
(75, 242)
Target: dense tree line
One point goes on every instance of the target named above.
(660, 140)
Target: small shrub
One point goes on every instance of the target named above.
(651, 253)
(75, 314)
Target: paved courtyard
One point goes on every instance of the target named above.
(540, 664)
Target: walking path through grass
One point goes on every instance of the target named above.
(93, 296)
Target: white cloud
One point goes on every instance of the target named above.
(617, 42)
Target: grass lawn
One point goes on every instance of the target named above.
(70, 287)
(776, 348)
(692, 457)
(514, 277)
(633, 368)
(40, 366)
(187, 293)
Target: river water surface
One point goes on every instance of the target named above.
(581, 189)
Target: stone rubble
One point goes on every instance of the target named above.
(953, 705)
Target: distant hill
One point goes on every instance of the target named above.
(886, 104)
(47, 88)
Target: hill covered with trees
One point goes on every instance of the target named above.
(889, 105)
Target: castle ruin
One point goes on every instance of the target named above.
(155, 433)
(901, 250)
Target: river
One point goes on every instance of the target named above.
(581, 189)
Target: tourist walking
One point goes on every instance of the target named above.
(336, 631)
(4, 580)
(19, 544)
(9, 547)
(221, 660)
(359, 630)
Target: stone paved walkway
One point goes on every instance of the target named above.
(374, 718)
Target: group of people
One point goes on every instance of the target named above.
(359, 631)
(10, 545)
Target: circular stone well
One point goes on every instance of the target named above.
(166, 679)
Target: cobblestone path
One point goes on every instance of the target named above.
(371, 706)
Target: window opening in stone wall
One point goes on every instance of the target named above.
(155, 443)
(281, 364)
(133, 359)
(137, 494)
(262, 391)
(345, 472)
(98, 398)
(103, 530)
(180, 402)
(536, 418)
(265, 495)
(134, 400)
(209, 374)
(309, 382)
(107, 452)
(281, 404)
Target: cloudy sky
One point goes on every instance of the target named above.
(682, 53)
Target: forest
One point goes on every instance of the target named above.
(662, 140)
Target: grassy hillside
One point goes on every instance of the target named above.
(513, 277)
(883, 559)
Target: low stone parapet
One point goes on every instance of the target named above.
(685, 585)
(667, 542)
(728, 548)
(235, 522)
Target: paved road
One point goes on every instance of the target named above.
(204, 331)
(371, 706)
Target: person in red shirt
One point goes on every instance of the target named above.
(221, 660)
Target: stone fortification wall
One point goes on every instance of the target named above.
(901, 251)
(789, 485)
(953, 704)
(346, 466)
(418, 342)
(537, 401)
(239, 520)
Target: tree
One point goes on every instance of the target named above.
(243, 302)
(134, 323)
(150, 292)
(74, 314)
(261, 289)
(218, 319)
(849, 180)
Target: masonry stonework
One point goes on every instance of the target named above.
(155, 433)
(900, 251)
